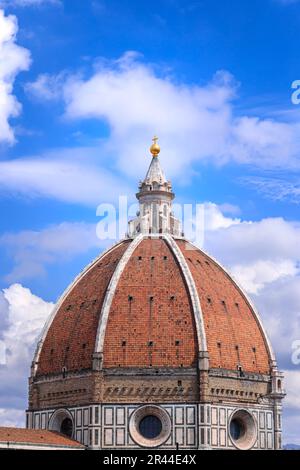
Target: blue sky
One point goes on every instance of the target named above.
(89, 82)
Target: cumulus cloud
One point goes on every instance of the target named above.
(25, 315)
(264, 257)
(13, 59)
(255, 276)
(195, 122)
(32, 251)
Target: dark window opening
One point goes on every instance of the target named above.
(130, 298)
(66, 427)
(179, 383)
(150, 343)
(150, 427)
(237, 429)
(177, 342)
(123, 343)
(84, 346)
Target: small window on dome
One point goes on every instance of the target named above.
(177, 342)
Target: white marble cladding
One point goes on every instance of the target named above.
(115, 421)
(219, 427)
(86, 422)
(193, 425)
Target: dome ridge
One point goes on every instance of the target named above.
(257, 316)
(63, 297)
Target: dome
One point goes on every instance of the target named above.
(154, 344)
(134, 305)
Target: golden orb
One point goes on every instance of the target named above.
(155, 148)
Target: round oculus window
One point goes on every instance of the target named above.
(150, 426)
(242, 430)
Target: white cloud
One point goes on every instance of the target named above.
(28, 3)
(12, 417)
(32, 251)
(13, 59)
(70, 175)
(25, 315)
(214, 218)
(276, 189)
(292, 384)
(194, 121)
(270, 239)
(47, 86)
(255, 276)
(264, 256)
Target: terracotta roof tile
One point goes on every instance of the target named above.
(36, 437)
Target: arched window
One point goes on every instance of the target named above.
(279, 384)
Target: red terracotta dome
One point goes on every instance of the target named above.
(151, 320)
(154, 300)
(155, 345)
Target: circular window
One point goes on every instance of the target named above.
(242, 430)
(150, 426)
